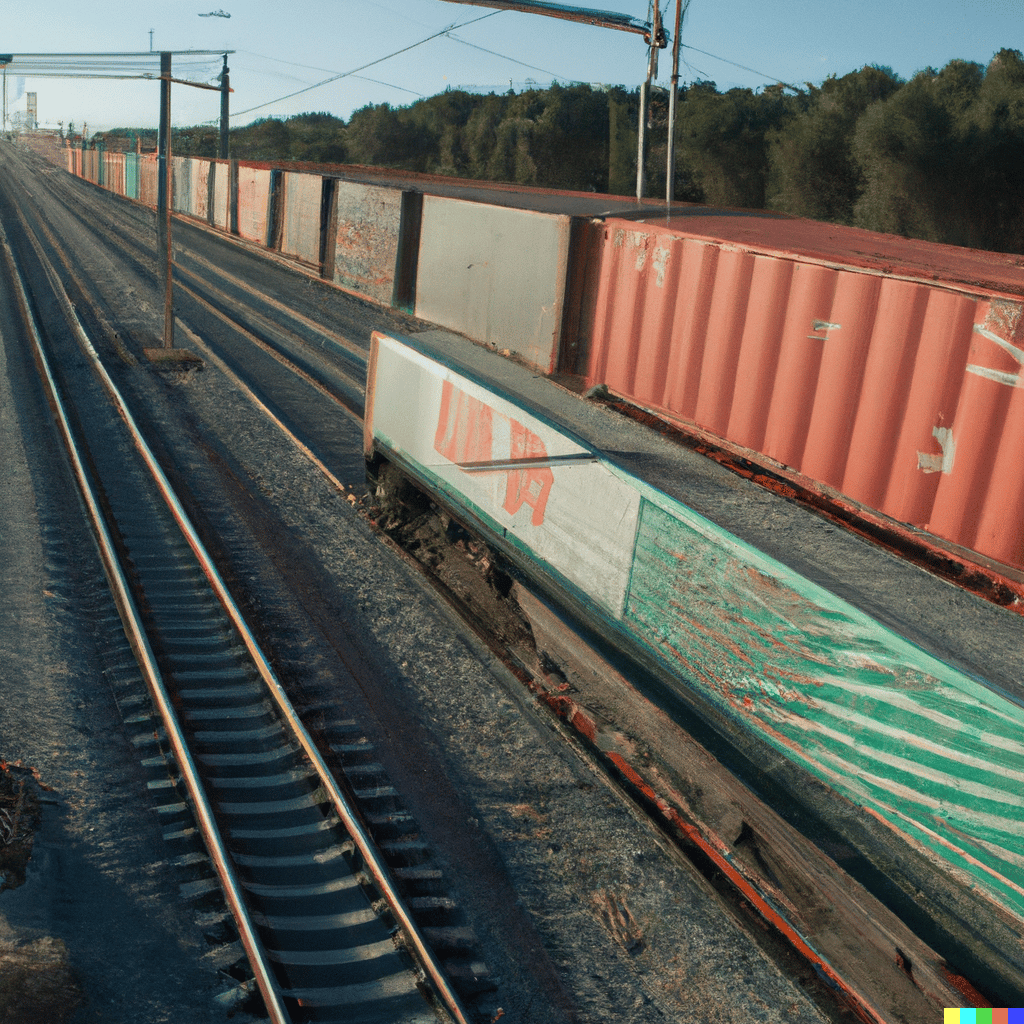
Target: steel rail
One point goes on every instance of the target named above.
(270, 349)
(769, 910)
(135, 632)
(210, 356)
(144, 253)
(350, 348)
(367, 849)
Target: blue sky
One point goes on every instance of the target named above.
(284, 47)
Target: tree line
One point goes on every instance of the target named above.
(939, 157)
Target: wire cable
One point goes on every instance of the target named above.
(314, 67)
(503, 56)
(753, 71)
(362, 67)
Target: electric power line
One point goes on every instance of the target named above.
(753, 71)
(363, 67)
(504, 56)
(313, 67)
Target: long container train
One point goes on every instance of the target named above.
(883, 374)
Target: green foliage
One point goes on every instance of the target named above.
(722, 138)
(381, 135)
(941, 158)
(265, 139)
(316, 138)
(200, 141)
(623, 112)
(811, 167)
(938, 157)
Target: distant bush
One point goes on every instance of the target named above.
(937, 157)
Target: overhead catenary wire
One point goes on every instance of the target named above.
(314, 67)
(505, 56)
(753, 71)
(363, 67)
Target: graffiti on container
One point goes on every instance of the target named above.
(1003, 326)
(820, 329)
(466, 432)
(1014, 380)
(930, 463)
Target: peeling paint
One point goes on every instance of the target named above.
(930, 463)
(660, 262)
(1013, 380)
(639, 242)
(822, 325)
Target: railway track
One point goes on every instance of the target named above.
(328, 357)
(318, 911)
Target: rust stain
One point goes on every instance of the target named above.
(722, 638)
(964, 987)
(863, 1010)
(568, 710)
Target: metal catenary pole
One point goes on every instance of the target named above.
(164, 196)
(225, 92)
(605, 19)
(645, 88)
(670, 170)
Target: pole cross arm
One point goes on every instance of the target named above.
(586, 15)
(195, 85)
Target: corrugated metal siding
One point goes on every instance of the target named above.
(200, 188)
(253, 203)
(115, 173)
(221, 194)
(181, 184)
(369, 224)
(131, 175)
(300, 234)
(148, 175)
(899, 733)
(905, 396)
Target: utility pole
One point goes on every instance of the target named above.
(225, 91)
(657, 40)
(164, 198)
(670, 169)
(652, 33)
(150, 40)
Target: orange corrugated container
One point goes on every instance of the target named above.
(887, 369)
